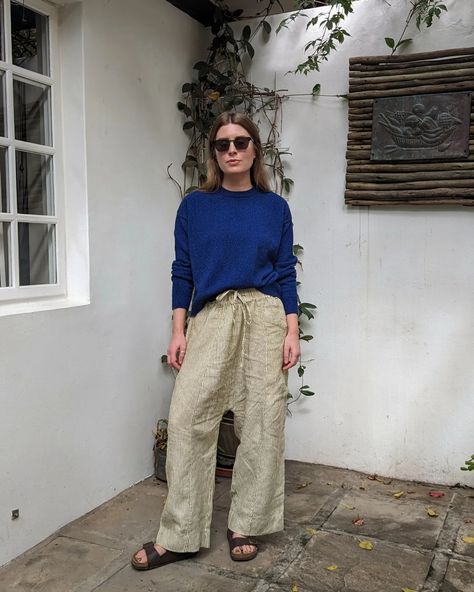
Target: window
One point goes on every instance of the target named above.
(32, 258)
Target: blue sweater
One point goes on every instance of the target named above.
(232, 240)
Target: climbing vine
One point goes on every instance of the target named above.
(331, 32)
(221, 84)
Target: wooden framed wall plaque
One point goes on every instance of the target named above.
(411, 129)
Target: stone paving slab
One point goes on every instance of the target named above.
(270, 548)
(59, 566)
(96, 548)
(386, 568)
(128, 520)
(222, 489)
(302, 501)
(402, 520)
(184, 576)
(459, 577)
(300, 472)
(467, 549)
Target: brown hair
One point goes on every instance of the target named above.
(258, 175)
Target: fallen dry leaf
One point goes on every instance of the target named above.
(358, 522)
(366, 545)
(375, 477)
(398, 494)
(432, 513)
(294, 588)
(305, 484)
(331, 567)
(361, 487)
(436, 494)
(348, 506)
(311, 531)
(468, 520)
(330, 483)
(408, 590)
(468, 539)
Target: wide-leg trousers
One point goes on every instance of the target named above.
(233, 362)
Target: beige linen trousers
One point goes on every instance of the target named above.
(233, 362)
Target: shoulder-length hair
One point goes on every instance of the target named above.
(258, 175)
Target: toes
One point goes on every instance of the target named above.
(140, 556)
(245, 549)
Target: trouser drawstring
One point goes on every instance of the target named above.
(235, 298)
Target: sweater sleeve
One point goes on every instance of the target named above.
(285, 265)
(181, 272)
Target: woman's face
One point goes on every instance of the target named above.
(233, 161)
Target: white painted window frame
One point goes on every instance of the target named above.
(17, 293)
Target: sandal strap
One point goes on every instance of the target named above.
(152, 555)
(240, 542)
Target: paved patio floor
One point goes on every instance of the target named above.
(319, 551)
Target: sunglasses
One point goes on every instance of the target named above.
(240, 143)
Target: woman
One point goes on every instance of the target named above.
(234, 257)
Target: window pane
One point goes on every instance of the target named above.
(4, 204)
(34, 187)
(32, 112)
(2, 38)
(36, 247)
(30, 48)
(3, 130)
(4, 254)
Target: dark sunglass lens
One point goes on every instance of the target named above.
(241, 143)
(222, 145)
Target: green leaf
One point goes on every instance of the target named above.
(250, 50)
(300, 371)
(188, 125)
(306, 393)
(316, 89)
(181, 106)
(189, 164)
(287, 184)
(404, 42)
(306, 337)
(191, 189)
(187, 87)
(297, 250)
(267, 27)
(164, 359)
(390, 42)
(246, 31)
(200, 66)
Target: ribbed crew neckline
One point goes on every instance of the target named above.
(246, 193)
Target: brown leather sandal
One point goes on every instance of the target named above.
(154, 559)
(240, 542)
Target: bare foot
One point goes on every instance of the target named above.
(243, 548)
(140, 556)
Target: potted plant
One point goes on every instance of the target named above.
(159, 448)
(227, 444)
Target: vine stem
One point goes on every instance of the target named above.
(411, 14)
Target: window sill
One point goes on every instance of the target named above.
(14, 308)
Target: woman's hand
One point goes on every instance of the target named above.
(177, 347)
(176, 350)
(291, 349)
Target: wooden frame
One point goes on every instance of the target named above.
(401, 182)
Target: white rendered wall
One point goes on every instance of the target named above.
(394, 286)
(80, 388)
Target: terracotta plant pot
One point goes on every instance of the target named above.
(227, 445)
(160, 463)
